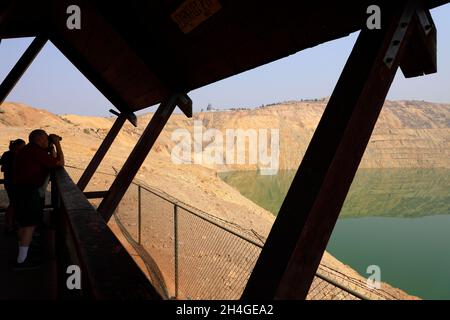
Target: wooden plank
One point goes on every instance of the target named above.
(108, 271)
(21, 66)
(101, 152)
(422, 53)
(297, 241)
(137, 157)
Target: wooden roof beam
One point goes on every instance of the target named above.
(21, 66)
(299, 236)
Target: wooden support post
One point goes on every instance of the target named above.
(101, 152)
(298, 239)
(21, 66)
(139, 153)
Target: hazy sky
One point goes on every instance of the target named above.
(54, 84)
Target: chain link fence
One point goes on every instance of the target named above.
(192, 255)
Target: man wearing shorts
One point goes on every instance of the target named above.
(33, 166)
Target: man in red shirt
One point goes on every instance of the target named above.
(33, 166)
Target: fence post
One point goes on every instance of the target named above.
(139, 214)
(175, 226)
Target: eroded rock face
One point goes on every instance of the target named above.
(407, 135)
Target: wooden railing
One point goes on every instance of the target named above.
(84, 239)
